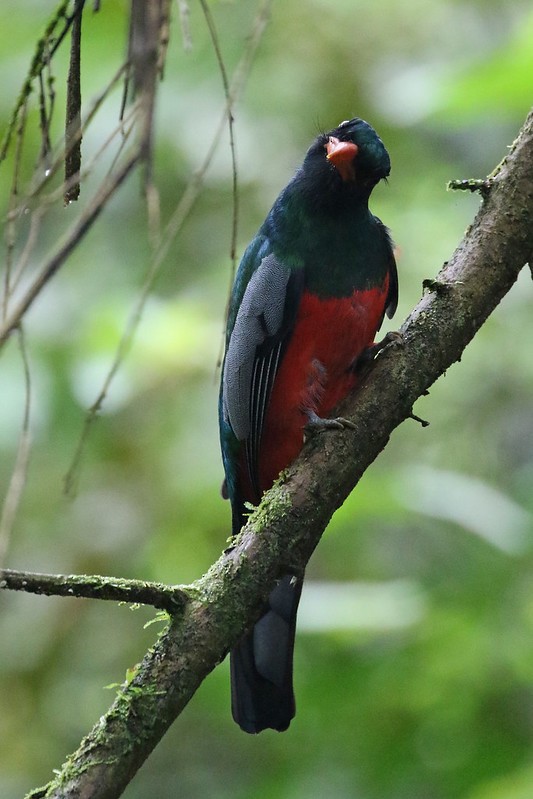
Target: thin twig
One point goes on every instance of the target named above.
(229, 109)
(50, 199)
(13, 274)
(73, 133)
(184, 15)
(172, 229)
(146, 34)
(164, 37)
(143, 57)
(72, 239)
(20, 470)
(12, 215)
(24, 258)
(239, 80)
(44, 123)
(39, 60)
(43, 179)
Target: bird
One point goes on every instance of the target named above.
(309, 296)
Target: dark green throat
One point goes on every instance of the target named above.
(341, 252)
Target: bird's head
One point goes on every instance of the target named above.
(349, 159)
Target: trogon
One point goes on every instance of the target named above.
(310, 293)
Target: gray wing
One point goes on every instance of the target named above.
(392, 294)
(254, 352)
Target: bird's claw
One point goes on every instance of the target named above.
(392, 338)
(316, 424)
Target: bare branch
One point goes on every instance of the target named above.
(77, 232)
(184, 15)
(143, 56)
(12, 216)
(231, 130)
(73, 115)
(173, 227)
(20, 469)
(39, 61)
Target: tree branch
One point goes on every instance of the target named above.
(117, 589)
(73, 131)
(287, 526)
(76, 233)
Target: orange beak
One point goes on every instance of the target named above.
(341, 155)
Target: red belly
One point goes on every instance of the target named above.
(316, 372)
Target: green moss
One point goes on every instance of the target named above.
(482, 185)
(275, 502)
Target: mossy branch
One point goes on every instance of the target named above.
(165, 597)
(287, 526)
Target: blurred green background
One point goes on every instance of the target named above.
(414, 657)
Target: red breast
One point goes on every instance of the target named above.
(317, 370)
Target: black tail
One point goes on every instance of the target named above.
(261, 664)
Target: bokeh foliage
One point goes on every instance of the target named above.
(414, 660)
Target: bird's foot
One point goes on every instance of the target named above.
(393, 338)
(315, 424)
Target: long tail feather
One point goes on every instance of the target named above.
(262, 695)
